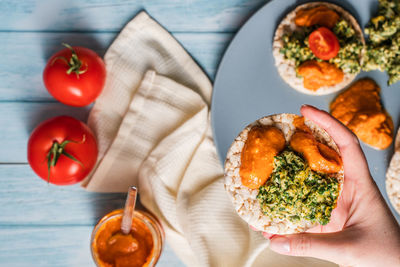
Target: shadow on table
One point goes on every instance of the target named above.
(42, 112)
(95, 41)
(59, 19)
(51, 42)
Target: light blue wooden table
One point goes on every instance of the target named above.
(45, 225)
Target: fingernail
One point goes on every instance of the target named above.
(280, 244)
(308, 106)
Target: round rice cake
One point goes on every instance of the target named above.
(245, 199)
(393, 176)
(287, 68)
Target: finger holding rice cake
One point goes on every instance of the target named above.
(284, 174)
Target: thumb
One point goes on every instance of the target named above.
(331, 246)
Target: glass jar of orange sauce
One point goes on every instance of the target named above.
(141, 247)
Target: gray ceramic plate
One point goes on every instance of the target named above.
(248, 86)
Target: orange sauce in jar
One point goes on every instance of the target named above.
(112, 248)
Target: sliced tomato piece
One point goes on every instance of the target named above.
(324, 43)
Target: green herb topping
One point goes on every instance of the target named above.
(295, 47)
(382, 51)
(295, 192)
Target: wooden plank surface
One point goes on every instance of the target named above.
(27, 200)
(49, 246)
(24, 55)
(45, 225)
(112, 15)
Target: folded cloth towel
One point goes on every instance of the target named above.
(153, 128)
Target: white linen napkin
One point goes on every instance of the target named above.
(153, 129)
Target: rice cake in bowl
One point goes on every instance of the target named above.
(245, 200)
(287, 68)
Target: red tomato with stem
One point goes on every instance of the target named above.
(75, 76)
(324, 43)
(62, 150)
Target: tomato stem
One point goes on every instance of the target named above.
(57, 150)
(74, 63)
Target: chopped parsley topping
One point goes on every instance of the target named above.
(295, 47)
(382, 51)
(295, 192)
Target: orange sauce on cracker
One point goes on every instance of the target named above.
(320, 15)
(257, 156)
(318, 74)
(320, 157)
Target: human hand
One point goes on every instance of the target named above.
(362, 230)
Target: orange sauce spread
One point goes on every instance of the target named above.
(118, 250)
(318, 74)
(320, 157)
(257, 157)
(298, 123)
(320, 15)
(360, 109)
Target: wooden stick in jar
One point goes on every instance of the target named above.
(129, 210)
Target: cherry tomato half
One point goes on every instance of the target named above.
(324, 43)
(75, 76)
(62, 150)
